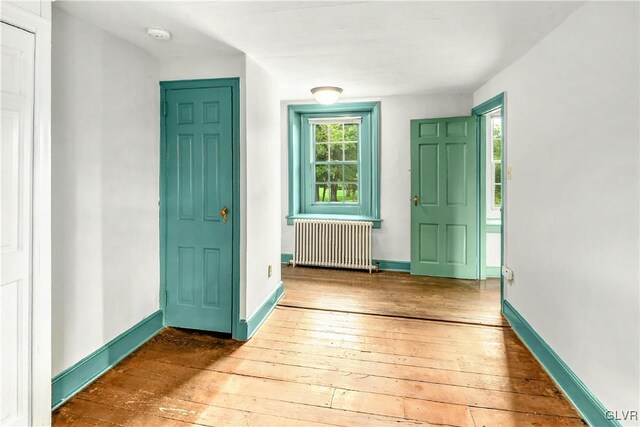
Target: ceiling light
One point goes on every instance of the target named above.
(158, 33)
(326, 95)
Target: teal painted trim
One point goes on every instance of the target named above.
(489, 105)
(234, 84)
(393, 265)
(591, 409)
(481, 140)
(494, 228)
(493, 272)
(295, 169)
(377, 222)
(249, 327)
(382, 264)
(484, 108)
(66, 384)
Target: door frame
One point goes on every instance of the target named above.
(234, 84)
(40, 384)
(478, 111)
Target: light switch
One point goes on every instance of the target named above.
(509, 173)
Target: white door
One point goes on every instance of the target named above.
(16, 130)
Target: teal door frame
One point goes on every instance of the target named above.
(234, 84)
(479, 111)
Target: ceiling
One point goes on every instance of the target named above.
(368, 48)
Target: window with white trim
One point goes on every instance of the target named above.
(335, 160)
(494, 151)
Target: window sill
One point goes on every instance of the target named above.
(377, 223)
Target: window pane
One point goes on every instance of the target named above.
(351, 173)
(321, 133)
(335, 132)
(335, 173)
(497, 173)
(497, 148)
(351, 132)
(498, 195)
(336, 152)
(351, 151)
(322, 152)
(322, 173)
(322, 192)
(351, 193)
(339, 193)
(334, 192)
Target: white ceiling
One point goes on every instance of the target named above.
(368, 48)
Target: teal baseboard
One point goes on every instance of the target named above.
(493, 272)
(285, 258)
(392, 265)
(591, 409)
(66, 384)
(249, 327)
(383, 264)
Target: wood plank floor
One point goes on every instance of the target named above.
(308, 367)
(394, 294)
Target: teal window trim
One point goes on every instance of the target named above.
(300, 206)
(234, 84)
(479, 111)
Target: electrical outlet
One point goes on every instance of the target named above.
(269, 270)
(507, 273)
(508, 173)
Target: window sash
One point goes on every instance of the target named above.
(307, 181)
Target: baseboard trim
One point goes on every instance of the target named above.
(393, 265)
(249, 327)
(73, 379)
(383, 264)
(493, 272)
(591, 409)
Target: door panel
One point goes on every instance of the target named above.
(16, 115)
(443, 176)
(198, 185)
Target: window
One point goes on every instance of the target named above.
(333, 162)
(495, 140)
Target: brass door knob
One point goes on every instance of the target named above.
(415, 200)
(223, 213)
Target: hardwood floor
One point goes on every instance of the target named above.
(309, 367)
(394, 294)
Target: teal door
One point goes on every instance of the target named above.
(444, 200)
(198, 201)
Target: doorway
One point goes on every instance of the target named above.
(491, 137)
(200, 204)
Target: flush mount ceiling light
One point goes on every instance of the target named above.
(326, 95)
(158, 33)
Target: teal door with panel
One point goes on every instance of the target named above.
(198, 204)
(444, 231)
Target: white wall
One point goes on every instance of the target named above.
(105, 161)
(572, 204)
(393, 240)
(263, 190)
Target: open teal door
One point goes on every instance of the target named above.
(444, 231)
(198, 203)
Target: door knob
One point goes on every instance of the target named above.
(223, 213)
(415, 200)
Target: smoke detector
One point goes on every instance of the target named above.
(158, 33)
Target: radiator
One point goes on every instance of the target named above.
(333, 243)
